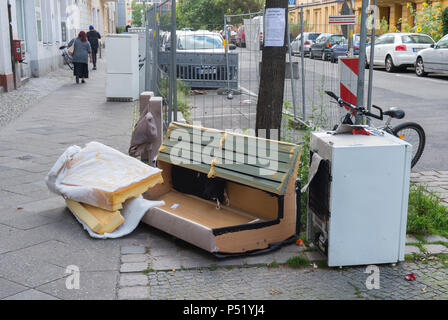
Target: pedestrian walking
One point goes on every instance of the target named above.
(81, 54)
(93, 37)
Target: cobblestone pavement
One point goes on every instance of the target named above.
(436, 181)
(15, 103)
(287, 283)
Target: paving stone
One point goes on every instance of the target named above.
(28, 271)
(315, 256)
(411, 239)
(435, 238)
(411, 249)
(8, 288)
(133, 267)
(435, 248)
(95, 285)
(134, 258)
(133, 250)
(131, 280)
(31, 294)
(133, 293)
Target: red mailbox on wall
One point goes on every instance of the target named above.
(19, 50)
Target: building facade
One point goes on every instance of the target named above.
(43, 26)
(316, 13)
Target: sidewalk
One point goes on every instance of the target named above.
(38, 242)
(39, 237)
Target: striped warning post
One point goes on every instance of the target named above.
(348, 75)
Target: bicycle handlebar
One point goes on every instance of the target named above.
(361, 110)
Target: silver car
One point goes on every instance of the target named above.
(308, 38)
(434, 59)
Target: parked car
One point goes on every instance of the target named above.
(308, 38)
(340, 50)
(397, 51)
(433, 59)
(241, 37)
(201, 42)
(322, 47)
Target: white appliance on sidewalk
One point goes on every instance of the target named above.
(122, 67)
(141, 33)
(358, 199)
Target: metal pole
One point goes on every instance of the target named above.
(362, 59)
(302, 60)
(173, 77)
(155, 53)
(148, 62)
(227, 37)
(291, 70)
(372, 50)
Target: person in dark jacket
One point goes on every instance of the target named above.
(81, 53)
(93, 37)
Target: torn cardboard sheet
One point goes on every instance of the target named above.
(315, 162)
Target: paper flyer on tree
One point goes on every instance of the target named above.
(275, 27)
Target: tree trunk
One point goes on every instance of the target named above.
(272, 81)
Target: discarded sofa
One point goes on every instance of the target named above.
(225, 192)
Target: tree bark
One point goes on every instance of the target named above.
(272, 81)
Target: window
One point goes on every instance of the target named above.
(389, 39)
(48, 22)
(38, 11)
(313, 36)
(197, 42)
(443, 43)
(63, 13)
(414, 38)
(380, 40)
(20, 20)
(336, 40)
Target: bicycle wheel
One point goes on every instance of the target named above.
(414, 134)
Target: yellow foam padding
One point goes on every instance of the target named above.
(211, 173)
(117, 198)
(99, 220)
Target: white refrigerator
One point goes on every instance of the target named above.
(122, 67)
(358, 199)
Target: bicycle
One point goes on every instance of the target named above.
(67, 58)
(410, 132)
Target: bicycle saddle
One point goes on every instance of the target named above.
(395, 113)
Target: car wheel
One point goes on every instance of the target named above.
(390, 67)
(420, 68)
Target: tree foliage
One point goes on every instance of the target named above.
(209, 14)
(445, 20)
(137, 17)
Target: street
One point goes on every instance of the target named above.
(422, 99)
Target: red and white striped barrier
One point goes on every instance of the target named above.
(348, 75)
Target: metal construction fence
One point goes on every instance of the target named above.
(216, 73)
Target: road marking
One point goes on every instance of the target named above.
(427, 79)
